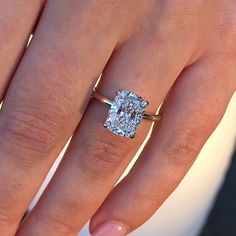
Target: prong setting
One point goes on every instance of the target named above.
(125, 113)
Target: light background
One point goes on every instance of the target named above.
(185, 211)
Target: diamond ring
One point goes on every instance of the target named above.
(125, 113)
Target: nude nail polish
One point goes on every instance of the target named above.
(110, 228)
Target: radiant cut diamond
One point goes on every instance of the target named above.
(125, 113)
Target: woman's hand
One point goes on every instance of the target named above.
(183, 48)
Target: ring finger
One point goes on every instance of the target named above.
(96, 158)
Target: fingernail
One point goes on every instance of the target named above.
(111, 228)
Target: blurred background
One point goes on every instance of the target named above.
(204, 204)
(222, 219)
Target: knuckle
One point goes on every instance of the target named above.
(5, 217)
(183, 145)
(102, 154)
(151, 199)
(91, 11)
(172, 21)
(56, 222)
(182, 149)
(28, 131)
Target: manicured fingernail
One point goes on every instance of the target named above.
(111, 228)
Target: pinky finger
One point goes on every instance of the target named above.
(191, 112)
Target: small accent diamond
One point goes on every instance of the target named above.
(125, 114)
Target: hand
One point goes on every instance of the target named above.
(182, 48)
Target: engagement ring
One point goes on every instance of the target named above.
(126, 112)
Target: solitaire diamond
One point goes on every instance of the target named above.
(125, 113)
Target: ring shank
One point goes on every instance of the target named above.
(108, 102)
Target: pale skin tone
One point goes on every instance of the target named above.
(183, 48)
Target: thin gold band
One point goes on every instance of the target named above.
(109, 102)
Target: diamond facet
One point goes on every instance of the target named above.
(125, 114)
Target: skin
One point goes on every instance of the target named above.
(182, 48)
